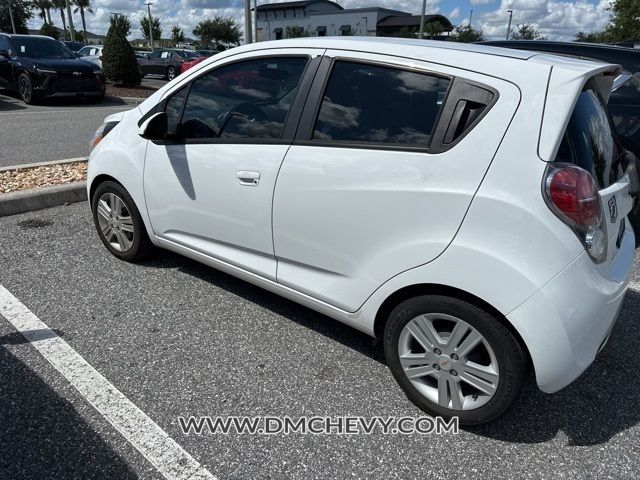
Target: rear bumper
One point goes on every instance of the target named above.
(567, 322)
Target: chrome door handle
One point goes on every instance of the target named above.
(248, 178)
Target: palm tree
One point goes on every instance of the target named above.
(41, 5)
(61, 5)
(81, 6)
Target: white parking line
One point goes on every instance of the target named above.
(137, 428)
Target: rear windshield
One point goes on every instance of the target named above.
(589, 140)
(35, 47)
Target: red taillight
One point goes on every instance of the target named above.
(574, 194)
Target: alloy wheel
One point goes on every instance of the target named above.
(116, 224)
(448, 361)
(171, 73)
(24, 86)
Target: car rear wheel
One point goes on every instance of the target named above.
(25, 89)
(171, 73)
(118, 222)
(452, 358)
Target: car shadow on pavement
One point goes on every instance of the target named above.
(603, 402)
(6, 106)
(304, 316)
(41, 433)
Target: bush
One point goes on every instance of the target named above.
(50, 31)
(118, 59)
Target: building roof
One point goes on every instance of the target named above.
(295, 4)
(413, 21)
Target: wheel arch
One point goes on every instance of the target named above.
(101, 179)
(417, 290)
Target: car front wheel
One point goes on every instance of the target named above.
(452, 358)
(118, 222)
(171, 73)
(25, 89)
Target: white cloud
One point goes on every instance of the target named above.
(481, 2)
(555, 20)
(455, 13)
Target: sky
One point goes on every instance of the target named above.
(557, 20)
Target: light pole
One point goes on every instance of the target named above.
(150, 25)
(13, 22)
(71, 29)
(470, 17)
(255, 20)
(424, 10)
(509, 26)
(248, 38)
(366, 26)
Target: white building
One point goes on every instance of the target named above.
(327, 18)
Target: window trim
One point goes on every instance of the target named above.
(304, 135)
(290, 122)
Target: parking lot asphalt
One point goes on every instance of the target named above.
(57, 129)
(178, 338)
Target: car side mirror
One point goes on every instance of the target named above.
(155, 127)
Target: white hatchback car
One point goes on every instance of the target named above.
(465, 204)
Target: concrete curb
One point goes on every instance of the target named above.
(38, 198)
(43, 164)
(125, 99)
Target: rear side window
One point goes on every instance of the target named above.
(379, 104)
(589, 141)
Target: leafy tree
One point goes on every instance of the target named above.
(49, 30)
(79, 36)
(467, 34)
(406, 32)
(120, 22)
(625, 21)
(433, 29)
(591, 37)
(155, 29)
(296, 32)
(42, 5)
(82, 6)
(21, 14)
(218, 29)
(177, 35)
(527, 31)
(118, 59)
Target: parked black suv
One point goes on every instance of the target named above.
(38, 66)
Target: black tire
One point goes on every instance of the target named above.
(25, 89)
(171, 73)
(141, 246)
(510, 356)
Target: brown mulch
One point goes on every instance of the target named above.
(116, 90)
(26, 178)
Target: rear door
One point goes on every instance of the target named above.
(386, 161)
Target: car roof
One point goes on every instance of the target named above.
(461, 55)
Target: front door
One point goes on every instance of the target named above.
(211, 188)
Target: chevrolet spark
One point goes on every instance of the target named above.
(465, 204)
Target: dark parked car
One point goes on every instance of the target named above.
(75, 47)
(38, 66)
(624, 102)
(165, 62)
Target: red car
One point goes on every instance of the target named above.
(191, 63)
